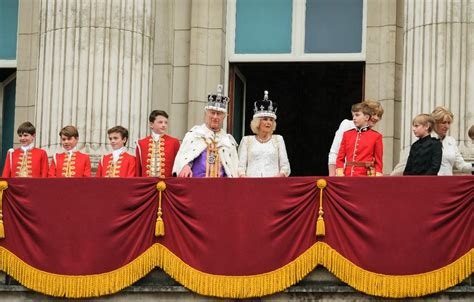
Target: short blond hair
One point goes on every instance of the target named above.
(440, 112)
(375, 107)
(424, 120)
(255, 123)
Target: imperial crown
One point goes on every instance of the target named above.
(265, 107)
(217, 101)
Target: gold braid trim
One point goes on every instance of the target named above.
(237, 286)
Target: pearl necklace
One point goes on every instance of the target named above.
(263, 141)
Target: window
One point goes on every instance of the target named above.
(8, 31)
(333, 26)
(296, 30)
(263, 26)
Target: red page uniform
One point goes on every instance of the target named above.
(124, 166)
(29, 163)
(360, 154)
(156, 158)
(76, 165)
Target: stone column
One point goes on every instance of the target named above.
(94, 70)
(383, 69)
(171, 62)
(189, 59)
(207, 48)
(438, 67)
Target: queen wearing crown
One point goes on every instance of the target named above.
(263, 154)
(207, 150)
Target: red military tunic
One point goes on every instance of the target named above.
(360, 154)
(156, 159)
(32, 164)
(79, 165)
(124, 167)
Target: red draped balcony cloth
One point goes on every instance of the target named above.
(385, 236)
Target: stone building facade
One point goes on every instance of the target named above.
(96, 64)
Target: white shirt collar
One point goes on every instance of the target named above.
(156, 136)
(116, 154)
(70, 152)
(27, 148)
(435, 135)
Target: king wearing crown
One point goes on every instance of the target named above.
(207, 150)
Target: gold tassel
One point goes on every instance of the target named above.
(320, 227)
(160, 225)
(3, 187)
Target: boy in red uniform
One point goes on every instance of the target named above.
(361, 150)
(118, 163)
(70, 163)
(26, 161)
(155, 153)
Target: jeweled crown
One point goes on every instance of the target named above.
(265, 107)
(217, 101)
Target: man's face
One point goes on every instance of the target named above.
(214, 119)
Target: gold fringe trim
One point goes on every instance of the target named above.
(395, 286)
(77, 286)
(237, 286)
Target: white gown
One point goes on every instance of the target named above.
(267, 159)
